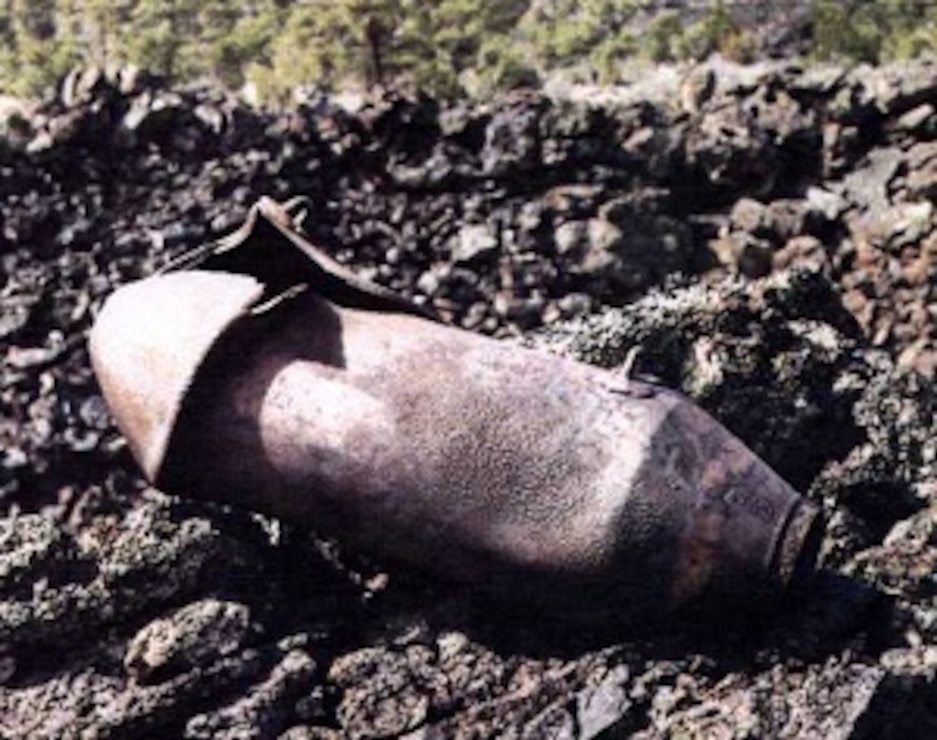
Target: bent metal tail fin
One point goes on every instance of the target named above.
(270, 247)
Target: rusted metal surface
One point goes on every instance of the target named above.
(506, 467)
(146, 364)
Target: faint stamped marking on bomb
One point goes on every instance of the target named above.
(746, 497)
(752, 502)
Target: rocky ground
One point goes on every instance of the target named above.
(766, 235)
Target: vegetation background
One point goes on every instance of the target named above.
(446, 47)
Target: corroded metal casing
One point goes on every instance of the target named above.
(481, 460)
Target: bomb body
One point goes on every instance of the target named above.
(525, 473)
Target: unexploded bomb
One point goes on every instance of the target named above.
(260, 373)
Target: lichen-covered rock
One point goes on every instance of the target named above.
(107, 572)
(86, 697)
(195, 635)
(763, 358)
(830, 701)
(266, 708)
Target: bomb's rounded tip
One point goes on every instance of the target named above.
(148, 342)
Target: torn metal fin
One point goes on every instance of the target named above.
(269, 247)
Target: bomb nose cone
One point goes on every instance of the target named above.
(149, 340)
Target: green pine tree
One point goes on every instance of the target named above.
(39, 47)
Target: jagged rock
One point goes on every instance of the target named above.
(84, 85)
(828, 204)
(917, 118)
(921, 179)
(733, 153)
(512, 140)
(831, 702)
(103, 574)
(749, 215)
(805, 252)
(198, 634)
(868, 187)
(898, 90)
(743, 253)
(152, 116)
(474, 241)
(265, 710)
